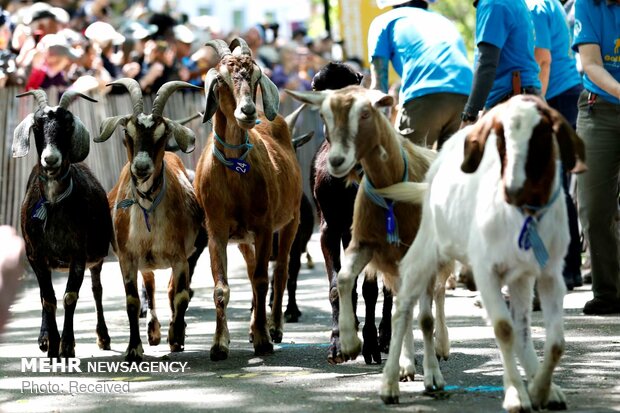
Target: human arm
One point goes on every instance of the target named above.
(379, 73)
(592, 62)
(543, 58)
(484, 76)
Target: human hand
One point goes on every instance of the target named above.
(11, 268)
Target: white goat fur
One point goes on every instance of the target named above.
(465, 217)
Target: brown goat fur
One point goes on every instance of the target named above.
(247, 208)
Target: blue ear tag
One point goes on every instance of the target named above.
(238, 165)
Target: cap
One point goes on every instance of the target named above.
(183, 34)
(382, 4)
(57, 45)
(102, 32)
(139, 31)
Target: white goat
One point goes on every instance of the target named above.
(499, 211)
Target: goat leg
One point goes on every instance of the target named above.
(153, 329)
(178, 293)
(74, 283)
(355, 259)
(221, 296)
(370, 292)
(103, 338)
(330, 245)
(385, 326)
(292, 313)
(260, 286)
(49, 338)
(280, 276)
(134, 351)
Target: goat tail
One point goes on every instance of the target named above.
(411, 192)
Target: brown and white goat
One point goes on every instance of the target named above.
(382, 231)
(501, 210)
(249, 183)
(65, 218)
(155, 213)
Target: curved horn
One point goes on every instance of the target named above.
(239, 42)
(220, 47)
(38, 94)
(164, 93)
(133, 87)
(291, 119)
(70, 95)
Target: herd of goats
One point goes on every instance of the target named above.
(402, 211)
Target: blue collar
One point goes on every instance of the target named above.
(126, 203)
(391, 224)
(528, 236)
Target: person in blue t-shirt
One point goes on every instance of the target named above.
(429, 55)
(505, 63)
(597, 38)
(561, 86)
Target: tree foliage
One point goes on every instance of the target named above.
(463, 14)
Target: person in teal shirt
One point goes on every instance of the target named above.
(561, 86)
(505, 63)
(428, 53)
(597, 39)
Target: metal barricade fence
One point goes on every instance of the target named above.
(107, 159)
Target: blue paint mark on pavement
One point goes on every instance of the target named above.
(476, 389)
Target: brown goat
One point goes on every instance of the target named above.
(249, 183)
(155, 213)
(382, 230)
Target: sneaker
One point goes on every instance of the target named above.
(598, 306)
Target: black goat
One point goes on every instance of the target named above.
(334, 200)
(65, 218)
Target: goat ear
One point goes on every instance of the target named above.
(380, 99)
(108, 126)
(271, 97)
(314, 98)
(80, 141)
(211, 92)
(185, 137)
(476, 140)
(21, 137)
(572, 148)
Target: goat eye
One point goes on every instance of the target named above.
(365, 115)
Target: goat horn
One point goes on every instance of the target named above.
(291, 119)
(164, 93)
(220, 47)
(70, 95)
(38, 94)
(133, 87)
(239, 42)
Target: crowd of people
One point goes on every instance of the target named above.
(87, 47)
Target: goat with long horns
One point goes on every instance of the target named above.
(65, 217)
(156, 216)
(249, 183)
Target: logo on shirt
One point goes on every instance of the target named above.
(617, 46)
(577, 28)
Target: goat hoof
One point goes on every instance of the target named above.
(218, 353)
(43, 343)
(135, 354)
(292, 315)
(553, 405)
(67, 349)
(276, 335)
(103, 338)
(154, 333)
(389, 399)
(176, 338)
(263, 349)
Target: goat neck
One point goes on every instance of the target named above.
(148, 191)
(383, 164)
(231, 133)
(54, 189)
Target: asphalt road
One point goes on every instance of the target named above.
(297, 377)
